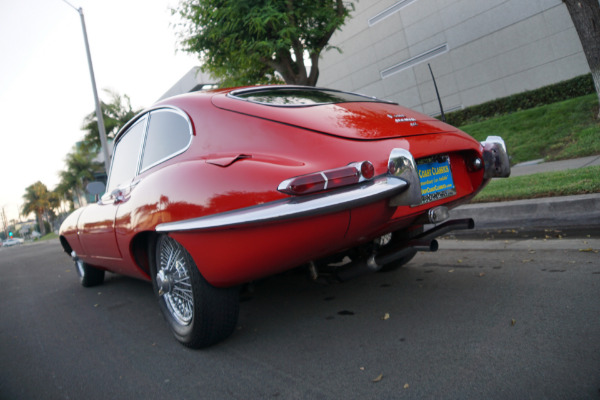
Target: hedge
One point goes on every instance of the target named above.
(576, 87)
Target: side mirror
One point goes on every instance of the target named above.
(95, 188)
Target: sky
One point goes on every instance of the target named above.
(45, 86)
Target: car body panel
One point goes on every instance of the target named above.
(239, 153)
(355, 120)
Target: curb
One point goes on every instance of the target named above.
(572, 211)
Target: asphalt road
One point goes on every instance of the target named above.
(495, 319)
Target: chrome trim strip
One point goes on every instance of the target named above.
(296, 207)
(326, 180)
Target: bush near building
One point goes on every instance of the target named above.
(576, 87)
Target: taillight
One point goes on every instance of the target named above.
(329, 179)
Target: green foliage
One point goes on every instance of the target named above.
(547, 184)
(80, 165)
(244, 42)
(81, 169)
(38, 201)
(566, 129)
(116, 113)
(565, 90)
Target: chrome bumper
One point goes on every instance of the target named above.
(295, 207)
(401, 185)
(495, 158)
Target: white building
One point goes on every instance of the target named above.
(193, 81)
(479, 50)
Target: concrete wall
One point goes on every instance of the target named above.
(192, 81)
(479, 50)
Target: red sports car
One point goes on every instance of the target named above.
(208, 191)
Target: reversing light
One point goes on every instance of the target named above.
(328, 179)
(476, 164)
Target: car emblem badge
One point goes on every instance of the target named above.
(403, 118)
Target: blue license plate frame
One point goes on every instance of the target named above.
(435, 175)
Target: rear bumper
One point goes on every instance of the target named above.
(495, 158)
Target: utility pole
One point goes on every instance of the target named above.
(4, 223)
(101, 129)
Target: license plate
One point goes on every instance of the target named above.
(436, 178)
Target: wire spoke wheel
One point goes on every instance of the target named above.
(174, 282)
(198, 313)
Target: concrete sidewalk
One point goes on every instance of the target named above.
(574, 212)
(536, 166)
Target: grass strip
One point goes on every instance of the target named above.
(545, 184)
(563, 130)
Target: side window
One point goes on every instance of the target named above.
(169, 133)
(126, 156)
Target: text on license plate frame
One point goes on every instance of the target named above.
(435, 176)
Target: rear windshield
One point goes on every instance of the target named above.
(299, 96)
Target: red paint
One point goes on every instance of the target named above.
(240, 153)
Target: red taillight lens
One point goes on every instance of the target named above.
(329, 179)
(341, 177)
(367, 170)
(307, 184)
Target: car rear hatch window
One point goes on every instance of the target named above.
(299, 96)
(337, 113)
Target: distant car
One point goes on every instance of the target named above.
(208, 191)
(11, 242)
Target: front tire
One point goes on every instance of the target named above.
(198, 313)
(89, 276)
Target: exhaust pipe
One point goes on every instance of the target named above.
(423, 242)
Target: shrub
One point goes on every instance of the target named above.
(579, 86)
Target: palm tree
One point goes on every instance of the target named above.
(81, 167)
(116, 113)
(37, 200)
(80, 171)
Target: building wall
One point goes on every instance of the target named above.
(479, 50)
(192, 81)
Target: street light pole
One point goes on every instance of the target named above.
(101, 129)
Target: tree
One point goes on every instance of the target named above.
(79, 172)
(586, 18)
(116, 113)
(37, 201)
(245, 42)
(81, 168)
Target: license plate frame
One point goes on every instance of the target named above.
(435, 176)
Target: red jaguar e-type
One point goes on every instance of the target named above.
(208, 191)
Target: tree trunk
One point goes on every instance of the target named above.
(41, 224)
(586, 18)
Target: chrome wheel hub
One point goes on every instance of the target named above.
(174, 283)
(164, 281)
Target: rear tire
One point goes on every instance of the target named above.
(89, 276)
(394, 265)
(198, 313)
